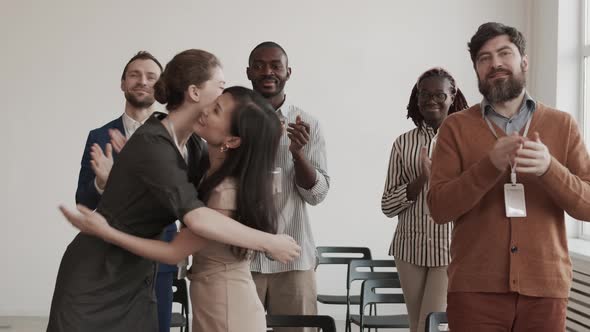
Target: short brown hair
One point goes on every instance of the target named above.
(141, 55)
(492, 30)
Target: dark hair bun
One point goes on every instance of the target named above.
(161, 90)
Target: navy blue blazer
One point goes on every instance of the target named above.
(86, 193)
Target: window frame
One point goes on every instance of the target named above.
(584, 116)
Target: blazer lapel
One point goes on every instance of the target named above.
(119, 125)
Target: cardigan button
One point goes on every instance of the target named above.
(513, 249)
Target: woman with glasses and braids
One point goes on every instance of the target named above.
(420, 247)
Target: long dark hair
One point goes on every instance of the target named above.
(459, 103)
(256, 123)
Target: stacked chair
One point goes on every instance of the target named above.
(180, 295)
(437, 322)
(324, 323)
(375, 279)
(341, 256)
(374, 275)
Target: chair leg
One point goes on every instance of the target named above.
(347, 324)
(371, 306)
(370, 313)
(376, 329)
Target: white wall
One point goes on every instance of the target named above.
(353, 67)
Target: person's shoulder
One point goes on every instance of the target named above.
(466, 116)
(553, 113)
(151, 139)
(229, 183)
(408, 134)
(111, 124)
(102, 133)
(153, 128)
(473, 112)
(294, 111)
(549, 117)
(402, 140)
(463, 122)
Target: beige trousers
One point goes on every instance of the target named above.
(425, 291)
(288, 293)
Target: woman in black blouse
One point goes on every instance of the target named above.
(101, 287)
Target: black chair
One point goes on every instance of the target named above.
(437, 322)
(357, 270)
(341, 256)
(345, 255)
(325, 323)
(180, 295)
(370, 296)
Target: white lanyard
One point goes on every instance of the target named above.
(526, 130)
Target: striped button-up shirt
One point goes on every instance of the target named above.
(292, 200)
(417, 239)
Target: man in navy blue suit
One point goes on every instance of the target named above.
(137, 83)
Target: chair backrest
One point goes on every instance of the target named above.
(180, 294)
(356, 266)
(437, 322)
(369, 294)
(325, 323)
(345, 254)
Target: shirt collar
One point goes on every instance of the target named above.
(283, 110)
(527, 103)
(131, 124)
(428, 130)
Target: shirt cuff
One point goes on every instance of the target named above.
(394, 202)
(100, 191)
(317, 191)
(403, 190)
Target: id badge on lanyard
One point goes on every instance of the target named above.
(514, 201)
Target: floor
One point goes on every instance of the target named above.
(39, 324)
(22, 324)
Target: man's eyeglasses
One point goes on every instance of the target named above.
(438, 97)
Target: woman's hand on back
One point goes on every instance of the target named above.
(283, 248)
(87, 221)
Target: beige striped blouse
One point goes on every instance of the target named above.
(417, 239)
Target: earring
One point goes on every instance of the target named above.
(224, 148)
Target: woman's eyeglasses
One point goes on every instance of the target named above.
(438, 97)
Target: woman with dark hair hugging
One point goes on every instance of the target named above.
(102, 287)
(239, 185)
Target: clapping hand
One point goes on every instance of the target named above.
(533, 158)
(118, 140)
(298, 133)
(425, 162)
(504, 151)
(101, 163)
